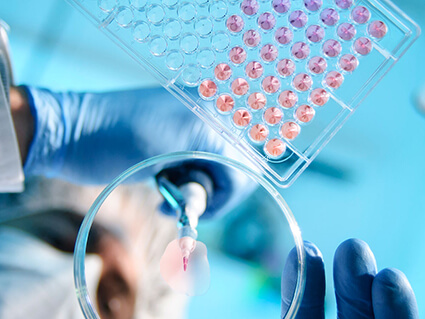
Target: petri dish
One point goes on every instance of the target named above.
(238, 253)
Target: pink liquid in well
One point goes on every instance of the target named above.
(315, 33)
(254, 70)
(346, 31)
(240, 86)
(334, 79)
(269, 53)
(237, 55)
(271, 84)
(300, 50)
(288, 99)
(290, 130)
(319, 97)
(251, 38)
(305, 113)
(283, 35)
(225, 103)
(257, 101)
(273, 115)
(348, 62)
(286, 67)
(363, 46)
(235, 23)
(259, 133)
(195, 280)
(332, 48)
(208, 88)
(378, 29)
(242, 117)
(302, 82)
(360, 14)
(275, 147)
(317, 65)
(223, 72)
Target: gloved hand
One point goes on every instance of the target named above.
(361, 292)
(90, 138)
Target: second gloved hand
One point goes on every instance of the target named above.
(89, 138)
(361, 292)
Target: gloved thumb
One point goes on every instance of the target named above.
(313, 301)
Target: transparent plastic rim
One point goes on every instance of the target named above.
(84, 299)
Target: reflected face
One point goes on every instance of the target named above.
(116, 294)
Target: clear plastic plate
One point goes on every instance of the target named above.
(247, 248)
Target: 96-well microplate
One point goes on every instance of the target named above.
(277, 78)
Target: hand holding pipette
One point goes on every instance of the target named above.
(189, 201)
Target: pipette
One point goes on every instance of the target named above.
(189, 201)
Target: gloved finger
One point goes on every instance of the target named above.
(393, 297)
(354, 270)
(312, 304)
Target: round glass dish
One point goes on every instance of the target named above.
(247, 248)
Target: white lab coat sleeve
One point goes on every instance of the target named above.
(11, 172)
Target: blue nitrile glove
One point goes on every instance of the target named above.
(361, 292)
(90, 138)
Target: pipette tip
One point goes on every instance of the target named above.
(185, 261)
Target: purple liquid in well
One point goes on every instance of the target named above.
(283, 35)
(346, 31)
(313, 5)
(363, 46)
(378, 29)
(251, 38)
(329, 17)
(298, 19)
(269, 53)
(332, 48)
(315, 33)
(281, 6)
(300, 50)
(344, 4)
(360, 14)
(250, 7)
(266, 21)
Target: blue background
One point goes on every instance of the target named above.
(369, 182)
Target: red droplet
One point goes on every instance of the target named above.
(185, 261)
